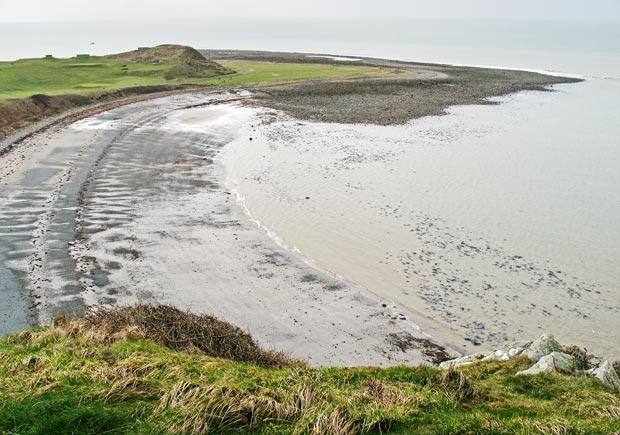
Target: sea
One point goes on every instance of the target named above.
(495, 222)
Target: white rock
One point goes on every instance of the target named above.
(543, 345)
(494, 356)
(514, 351)
(504, 354)
(462, 361)
(554, 362)
(607, 375)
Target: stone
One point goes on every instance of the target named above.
(543, 345)
(504, 354)
(607, 375)
(554, 362)
(515, 351)
(462, 361)
(498, 355)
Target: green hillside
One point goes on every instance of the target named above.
(168, 64)
(162, 65)
(156, 370)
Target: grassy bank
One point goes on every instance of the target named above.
(26, 77)
(161, 371)
(34, 89)
(163, 65)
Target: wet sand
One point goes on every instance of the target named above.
(495, 223)
(129, 205)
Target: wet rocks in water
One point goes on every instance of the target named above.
(554, 362)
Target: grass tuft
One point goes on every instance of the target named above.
(455, 385)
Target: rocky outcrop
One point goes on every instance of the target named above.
(462, 361)
(548, 356)
(543, 345)
(554, 362)
(607, 375)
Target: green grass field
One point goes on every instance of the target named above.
(26, 77)
(82, 379)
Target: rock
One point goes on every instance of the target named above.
(607, 375)
(583, 361)
(505, 354)
(462, 361)
(554, 362)
(498, 355)
(543, 345)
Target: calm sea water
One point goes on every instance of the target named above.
(494, 221)
(582, 48)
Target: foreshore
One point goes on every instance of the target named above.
(129, 205)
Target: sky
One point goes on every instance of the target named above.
(91, 10)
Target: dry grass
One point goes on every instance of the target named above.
(336, 422)
(388, 396)
(175, 329)
(456, 386)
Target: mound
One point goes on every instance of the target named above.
(188, 62)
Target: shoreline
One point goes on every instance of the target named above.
(314, 140)
(421, 321)
(93, 276)
(120, 251)
(417, 90)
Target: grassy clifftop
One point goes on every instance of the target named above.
(163, 65)
(156, 370)
(34, 89)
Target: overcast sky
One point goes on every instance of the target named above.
(63, 10)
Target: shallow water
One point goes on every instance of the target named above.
(497, 222)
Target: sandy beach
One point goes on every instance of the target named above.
(130, 205)
(148, 202)
(445, 216)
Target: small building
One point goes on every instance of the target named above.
(82, 56)
(143, 48)
(49, 56)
